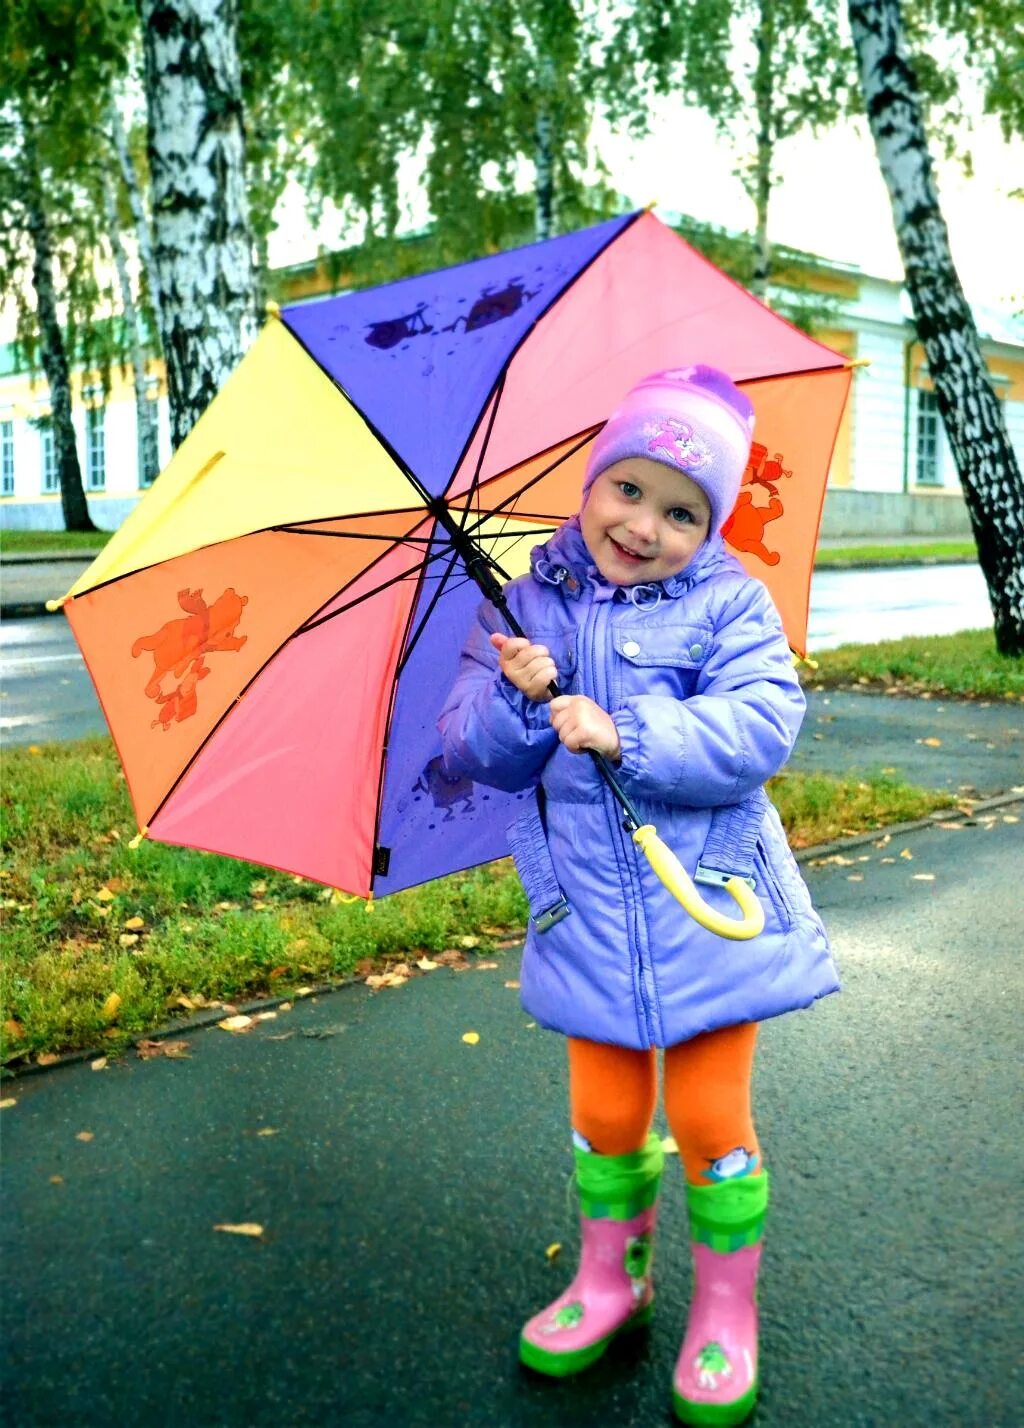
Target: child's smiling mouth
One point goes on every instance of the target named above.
(627, 554)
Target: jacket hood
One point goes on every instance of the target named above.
(565, 560)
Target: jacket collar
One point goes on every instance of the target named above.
(565, 561)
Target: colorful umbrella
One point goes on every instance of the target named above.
(273, 630)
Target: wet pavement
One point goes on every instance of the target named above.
(408, 1185)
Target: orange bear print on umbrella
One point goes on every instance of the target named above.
(744, 530)
(178, 648)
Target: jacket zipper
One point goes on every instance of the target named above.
(597, 617)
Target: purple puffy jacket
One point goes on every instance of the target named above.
(698, 677)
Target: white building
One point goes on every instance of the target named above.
(892, 471)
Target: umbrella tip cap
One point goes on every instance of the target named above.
(273, 309)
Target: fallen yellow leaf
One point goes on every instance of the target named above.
(1010, 818)
(906, 853)
(47, 1058)
(469, 942)
(99, 1064)
(668, 1145)
(236, 1023)
(471, 1037)
(14, 1028)
(8, 1102)
(104, 895)
(246, 1228)
(257, 889)
(128, 939)
(268, 1130)
(923, 878)
(426, 965)
(134, 923)
(512, 985)
(932, 743)
(34, 749)
(56, 1180)
(553, 1251)
(84, 1135)
(111, 1006)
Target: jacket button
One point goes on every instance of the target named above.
(631, 648)
(696, 651)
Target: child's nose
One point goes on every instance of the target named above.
(642, 528)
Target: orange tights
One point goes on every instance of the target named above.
(613, 1091)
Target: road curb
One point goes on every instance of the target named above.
(25, 610)
(205, 1019)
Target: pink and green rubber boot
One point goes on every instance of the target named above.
(612, 1292)
(715, 1379)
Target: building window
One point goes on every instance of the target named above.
(48, 457)
(927, 440)
(6, 458)
(95, 449)
(149, 469)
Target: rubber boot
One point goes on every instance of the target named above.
(612, 1292)
(715, 1378)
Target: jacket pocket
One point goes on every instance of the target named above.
(672, 646)
(764, 877)
(532, 857)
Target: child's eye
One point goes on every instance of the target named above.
(682, 515)
(629, 490)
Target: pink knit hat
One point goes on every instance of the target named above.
(693, 419)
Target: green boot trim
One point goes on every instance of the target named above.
(719, 1414)
(617, 1187)
(560, 1365)
(729, 1215)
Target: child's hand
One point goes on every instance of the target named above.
(530, 667)
(582, 724)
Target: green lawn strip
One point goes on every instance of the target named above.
(967, 664)
(216, 929)
(33, 542)
(931, 553)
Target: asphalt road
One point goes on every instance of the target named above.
(413, 1182)
(46, 692)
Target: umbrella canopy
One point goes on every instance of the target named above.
(273, 630)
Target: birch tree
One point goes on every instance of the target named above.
(764, 70)
(147, 453)
(972, 416)
(201, 242)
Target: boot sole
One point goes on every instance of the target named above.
(575, 1360)
(715, 1415)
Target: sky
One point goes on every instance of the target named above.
(830, 198)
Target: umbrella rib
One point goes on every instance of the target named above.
(556, 297)
(475, 483)
(415, 638)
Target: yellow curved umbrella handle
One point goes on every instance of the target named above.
(682, 887)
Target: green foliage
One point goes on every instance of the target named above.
(966, 664)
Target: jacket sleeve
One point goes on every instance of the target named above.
(738, 730)
(490, 731)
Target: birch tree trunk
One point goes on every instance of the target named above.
(544, 157)
(971, 415)
(147, 454)
(762, 178)
(143, 235)
(54, 354)
(202, 248)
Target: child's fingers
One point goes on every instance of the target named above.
(498, 640)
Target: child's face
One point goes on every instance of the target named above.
(643, 522)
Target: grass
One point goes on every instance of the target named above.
(28, 542)
(103, 943)
(966, 664)
(930, 553)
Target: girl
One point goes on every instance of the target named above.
(679, 673)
